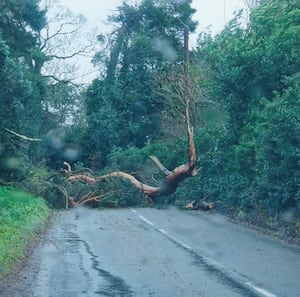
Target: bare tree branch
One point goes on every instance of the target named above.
(161, 167)
(66, 37)
(22, 136)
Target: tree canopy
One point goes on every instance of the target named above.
(123, 108)
(252, 73)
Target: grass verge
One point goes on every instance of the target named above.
(21, 217)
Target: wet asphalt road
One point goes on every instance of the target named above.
(150, 252)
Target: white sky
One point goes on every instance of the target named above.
(214, 13)
(209, 12)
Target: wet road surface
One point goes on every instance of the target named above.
(150, 252)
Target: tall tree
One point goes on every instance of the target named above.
(22, 86)
(251, 72)
(122, 105)
(37, 92)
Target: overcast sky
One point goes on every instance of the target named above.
(214, 13)
(209, 12)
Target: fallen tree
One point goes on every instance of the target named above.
(172, 178)
(168, 185)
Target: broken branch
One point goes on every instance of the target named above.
(161, 167)
(22, 136)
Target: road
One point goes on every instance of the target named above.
(151, 252)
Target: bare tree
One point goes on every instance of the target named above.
(66, 38)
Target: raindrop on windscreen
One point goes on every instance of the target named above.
(288, 215)
(11, 163)
(165, 48)
(55, 141)
(70, 154)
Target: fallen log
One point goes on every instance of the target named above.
(203, 205)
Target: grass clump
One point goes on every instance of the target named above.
(21, 217)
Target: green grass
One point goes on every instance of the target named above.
(21, 217)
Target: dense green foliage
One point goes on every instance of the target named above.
(21, 216)
(31, 103)
(253, 73)
(22, 87)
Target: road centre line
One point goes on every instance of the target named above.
(146, 220)
(184, 245)
(162, 231)
(261, 290)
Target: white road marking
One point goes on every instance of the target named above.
(261, 290)
(186, 246)
(162, 231)
(146, 221)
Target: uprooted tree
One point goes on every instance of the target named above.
(172, 178)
